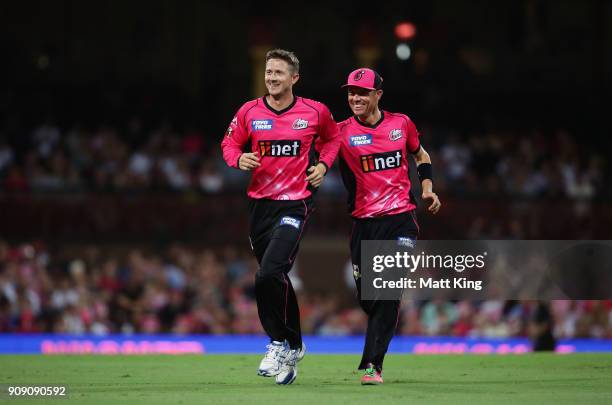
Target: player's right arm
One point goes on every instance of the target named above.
(236, 137)
(327, 144)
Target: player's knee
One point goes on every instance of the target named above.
(267, 275)
(274, 267)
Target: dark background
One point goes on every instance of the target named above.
(530, 62)
(531, 67)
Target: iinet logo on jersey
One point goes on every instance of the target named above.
(279, 148)
(381, 161)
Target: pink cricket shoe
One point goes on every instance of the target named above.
(371, 376)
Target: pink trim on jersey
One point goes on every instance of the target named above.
(283, 141)
(377, 158)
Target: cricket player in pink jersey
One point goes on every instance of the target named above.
(374, 149)
(279, 130)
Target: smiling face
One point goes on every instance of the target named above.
(279, 77)
(363, 102)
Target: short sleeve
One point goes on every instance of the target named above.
(412, 137)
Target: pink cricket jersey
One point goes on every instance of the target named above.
(285, 143)
(374, 166)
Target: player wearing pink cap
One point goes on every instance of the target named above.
(373, 155)
(280, 131)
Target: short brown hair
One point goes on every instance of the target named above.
(287, 56)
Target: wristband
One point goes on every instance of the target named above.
(425, 171)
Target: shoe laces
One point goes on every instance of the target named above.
(290, 357)
(274, 350)
(370, 372)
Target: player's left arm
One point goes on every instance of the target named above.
(425, 171)
(330, 144)
(424, 168)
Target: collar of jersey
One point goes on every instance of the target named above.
(377, 123)
(279, 112)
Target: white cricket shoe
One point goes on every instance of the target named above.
(271, 363)
(301, 352)
(288, 369)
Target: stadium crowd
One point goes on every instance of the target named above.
(526, 163)
(200, 290)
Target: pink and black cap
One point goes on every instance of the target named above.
(364, 78)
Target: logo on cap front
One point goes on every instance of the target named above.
(359, 75)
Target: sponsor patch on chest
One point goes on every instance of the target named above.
(261, 125)
(279, 148)
(381, 161)
(360, 140)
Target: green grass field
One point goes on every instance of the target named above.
(322, 379)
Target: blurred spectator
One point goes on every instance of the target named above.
(186, 290)
(541, 328)
(437, 318)
(6, 154)
(524, 163)
(46, 137)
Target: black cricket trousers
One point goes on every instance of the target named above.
(276, 228)
(383, 315)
